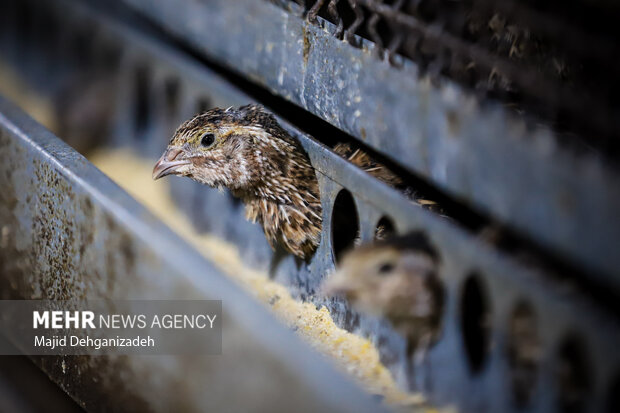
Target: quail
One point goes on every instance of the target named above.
(395, 279)
(245, 150)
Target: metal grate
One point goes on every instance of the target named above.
(533, 61)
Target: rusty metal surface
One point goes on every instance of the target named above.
(439, 36)
(69, 232)
(479, 154)
(561, 315)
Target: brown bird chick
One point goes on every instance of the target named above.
(395, 279)
(248, 152)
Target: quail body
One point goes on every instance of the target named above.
(395, 279)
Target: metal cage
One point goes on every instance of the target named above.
(166, 60)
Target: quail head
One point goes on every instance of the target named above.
(248, 152)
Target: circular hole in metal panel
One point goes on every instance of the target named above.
(172, 92)
(109, 54)
(613, 395)
(48, 29)
(345, 224)
(24, 22)
(142, 104)
(203, 104)
(572, 376)
(475, 322)
(82, 44)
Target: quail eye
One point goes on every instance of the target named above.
(207, 140)
(386, 268)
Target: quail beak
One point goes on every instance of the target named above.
(168, 164)
(339, 285)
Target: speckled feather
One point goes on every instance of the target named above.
(363, 160)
